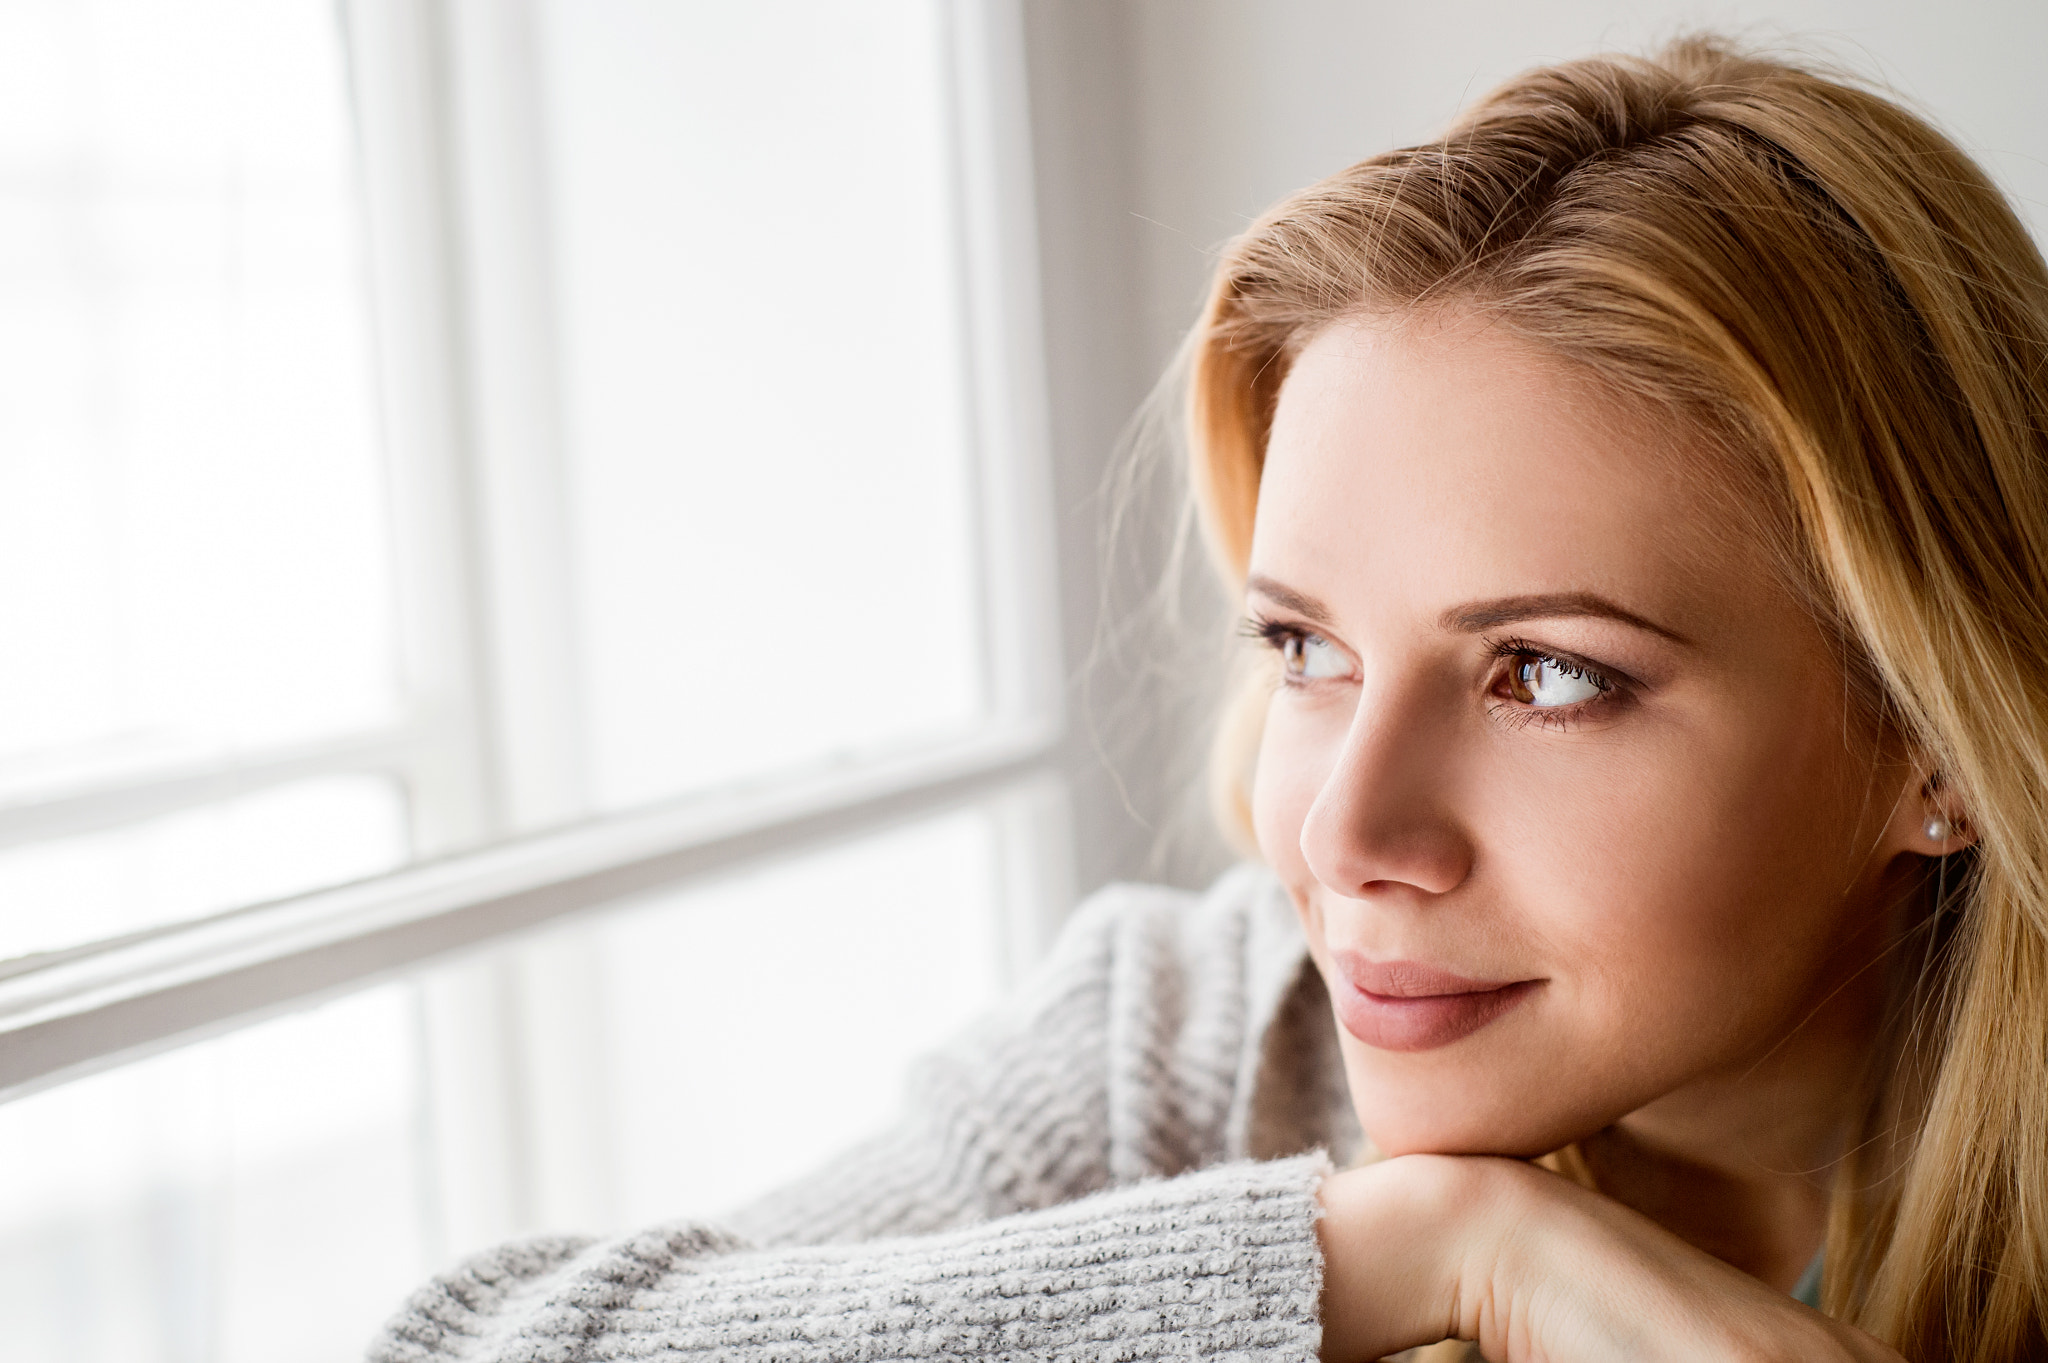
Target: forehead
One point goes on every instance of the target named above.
(1443, 459)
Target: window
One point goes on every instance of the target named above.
(527, 527)
(191, 519)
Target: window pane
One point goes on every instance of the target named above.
(264, 846)
(754, 1028)
(254, 1198)
(192, 548)
(765, 385)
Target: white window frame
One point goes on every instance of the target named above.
(448, 118)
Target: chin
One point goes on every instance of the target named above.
(1470, 1117)
(1424, 1139)
(1407, 1137)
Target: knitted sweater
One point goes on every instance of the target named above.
(1120, 1163)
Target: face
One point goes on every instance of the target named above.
(1559, 775)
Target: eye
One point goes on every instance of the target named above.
(1310, 657)
(1549, 683)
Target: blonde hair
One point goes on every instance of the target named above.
(1836, 293)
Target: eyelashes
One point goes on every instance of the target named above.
(1556, 691)
(1267, 632)
(1569, 662)
(1529, 684)
(1304, 657)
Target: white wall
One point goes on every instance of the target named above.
(1164, 126)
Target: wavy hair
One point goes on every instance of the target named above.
(1844, 303)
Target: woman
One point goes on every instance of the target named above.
(1643, 496)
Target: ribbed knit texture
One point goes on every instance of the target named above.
(1120, 1163)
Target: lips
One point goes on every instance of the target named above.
(1409, 1006)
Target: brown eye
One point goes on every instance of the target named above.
(1309, 657)
(1520, 677)
(1547, 683)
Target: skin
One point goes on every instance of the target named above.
(1690, 872)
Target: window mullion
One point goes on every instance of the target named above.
(511, 369)
(400, 104)
(127, 796)
(999, 259)
(1020, 581)
(410, 126)
(99, 1006)
(512, 1060)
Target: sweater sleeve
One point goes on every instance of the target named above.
(1221, 1263)
(1059, 1185)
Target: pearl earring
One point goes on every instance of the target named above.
(1938, 829)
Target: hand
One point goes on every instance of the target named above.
(1539, 1270)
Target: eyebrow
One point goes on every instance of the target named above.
(1510, 610)
(1301, 603)
(1478, 615)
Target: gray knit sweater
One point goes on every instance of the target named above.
(1120, 1163)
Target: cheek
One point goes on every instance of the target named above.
(1624, 896)
(1690, 901)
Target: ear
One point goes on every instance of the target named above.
(1928, 818)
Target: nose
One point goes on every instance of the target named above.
(1385, 818)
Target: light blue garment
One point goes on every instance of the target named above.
(1807, 1289)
